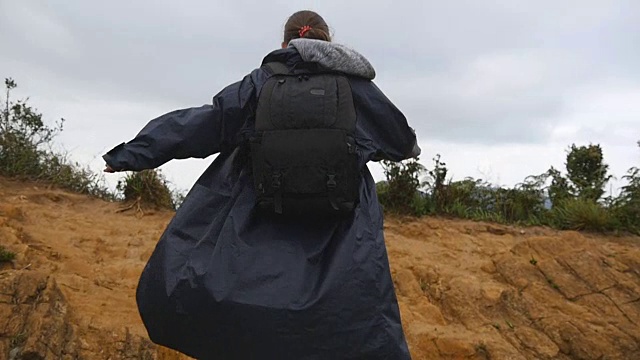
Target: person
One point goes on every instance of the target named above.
(225, 281)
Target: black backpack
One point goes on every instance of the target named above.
(303, 153)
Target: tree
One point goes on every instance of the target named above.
(437, 179)
(24, 122)
(587, 172)
(403, 183)
(560, 189)
(22, 136)
(26, 143)
(627, 205)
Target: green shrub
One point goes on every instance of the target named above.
(524, 203)
(6, 256)
(458, 209)
(382, 187)
(403, 183)
(461, 197)
(626, 207)
(422, 204)
(572, 201)
(560, 188)
(485, 215)
(148, 188)
(582, 214)
(436, 183)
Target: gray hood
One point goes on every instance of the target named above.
(334, 57)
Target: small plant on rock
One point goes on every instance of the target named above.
(5, 255)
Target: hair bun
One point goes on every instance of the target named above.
(304, 30)
(306, 24)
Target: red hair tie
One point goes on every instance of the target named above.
(304, 30)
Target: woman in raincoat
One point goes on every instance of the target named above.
(225, 282)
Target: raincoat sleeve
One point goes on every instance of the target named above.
(384, 129)
(196, 132)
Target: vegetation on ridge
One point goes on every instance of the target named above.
(26, 153)
(570, 199)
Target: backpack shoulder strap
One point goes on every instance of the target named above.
(278, 68)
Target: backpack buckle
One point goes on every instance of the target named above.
(275, 180)
(331, 183)
(331, 186)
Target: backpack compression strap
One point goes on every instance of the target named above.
(278, 68)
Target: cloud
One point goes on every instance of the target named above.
(510, 97)
(504, 85)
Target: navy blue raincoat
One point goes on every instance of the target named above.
(225, 283)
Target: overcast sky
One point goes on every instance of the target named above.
(499, 88)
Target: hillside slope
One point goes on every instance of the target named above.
(467, 290)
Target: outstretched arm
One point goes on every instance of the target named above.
(196, 132)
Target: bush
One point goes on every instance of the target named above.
(148, 188)
(25, 151)
(422, 204)
(403, 183)
(523, 204)
(460, 198)
(582, 214)
(6, 256)
(568, 202)
(485, 215)
(436, 183)
(476, 199)
(626, 207)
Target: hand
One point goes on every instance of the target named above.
(109, 169)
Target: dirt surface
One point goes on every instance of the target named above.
(481, 291)
(467, 290)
